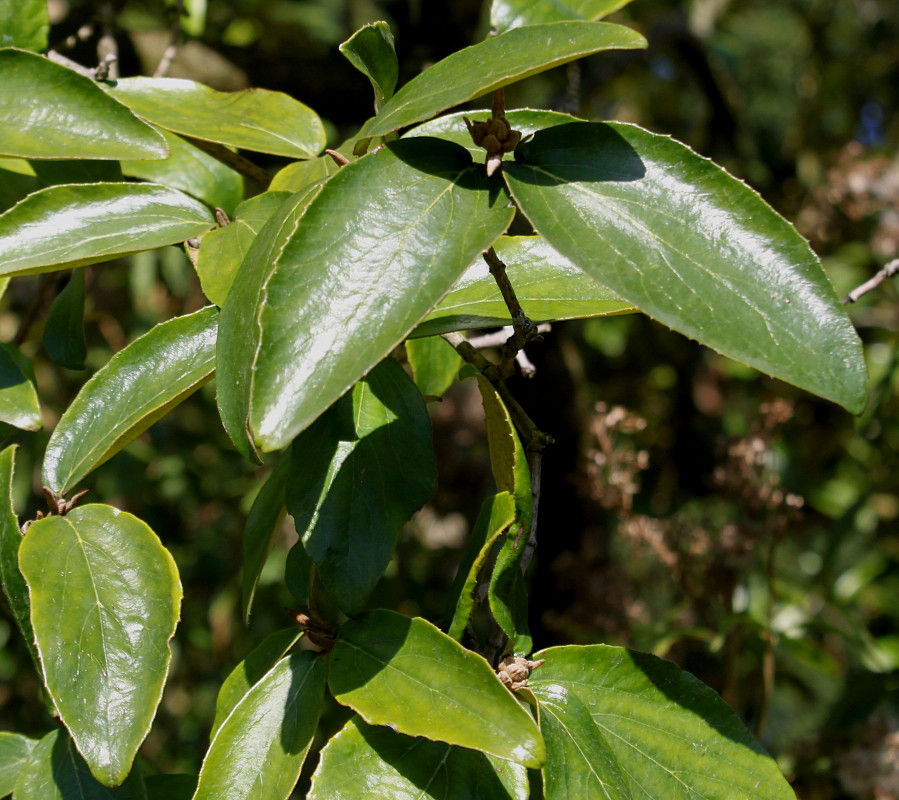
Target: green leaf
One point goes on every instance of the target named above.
(367, 762)
(548, 285)
(407, 674)
(19, 405)
(138, 385)
(53, 173)
(75, 118)
(344, 288)
(64, 330)
(14, 186)
(435, 364)
(358, 473)
(25, 24)
(496, 515)
(301, 174)
(253, 119)
(263, 523)
(670, 734)
(69, 226)
(170, 787)
(693, 247)
(56, 771)
(192, 171)
(494, 63)
(223, 249)
(371, 51)
(251, 670)
(14, 753)
(259, 749)
(105, 598)
(508, 14)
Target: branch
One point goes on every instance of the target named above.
(107, 46)
(888, 271)
(234, 160)
(498, 339)
(168, 55)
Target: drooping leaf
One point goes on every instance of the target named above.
(358, 473)
(56, 771)
(259, 749)
(192, 171)
(263, 523)
(406, 673)
(496, 515)
(494, 63)
(75, 118)
(253, 119)
(370, 50)
(672, 736)
(64, 330)
(15, 751)
(105, 598)
(25, 24)
(368, 762)
(251, 670)
(435, 364)
(72, 225)
(170, 787)
(19, 405)
(548, 285)
(508, 14)
(223, 250)
(383, 241)
(138, 385)
(693, 247)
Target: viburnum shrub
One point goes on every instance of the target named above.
(398, 236)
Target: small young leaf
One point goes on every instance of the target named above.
(435, 364)
(64, 330)
(25, 24)
(138, 386)
(407, 674)
(19, 405)
(105, 598)
(15, 751)
(368, 762)
(259, 749)
(508, 14)
(75, 118)
(370, 50)
(72, 225)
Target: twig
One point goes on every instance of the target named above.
(498, 338)
(767, 688)
(888, 271)
(168, 55)
(234, 160)
(59, 58)
(107, 46)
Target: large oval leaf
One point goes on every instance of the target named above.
(24, 23)
(105, 598)
(380, 245)
(670, 735)
(74, 118)
(135, 388)
(254, 119)
(14, 753)
(675, 235)
(72, 225)
(508, 14)
(259, 749)
(407, 674)
(368, 762)
(494, 63)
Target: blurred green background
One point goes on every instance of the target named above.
(691, 507)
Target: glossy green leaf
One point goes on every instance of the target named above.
(508, 14)
(170, 787)
(368, 762)
(64, 330)
(19, 405)
(14, 753)
(82, 170)
(407, 674)
(671, 735)
(435, 364)
(253, 119)
(370, 50)
(135, 388)
(383, 241)
(192, 171)
(301, 174)
(70, 226)
(263, 523)
(223, 250)
(259, 749)
(358, 473)
(693, 247)
(494, 63)
(105, 598)
(548, 285)
(25, 24)
(75, 118)
(251, 670)
(496, 515)
(56, 771)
